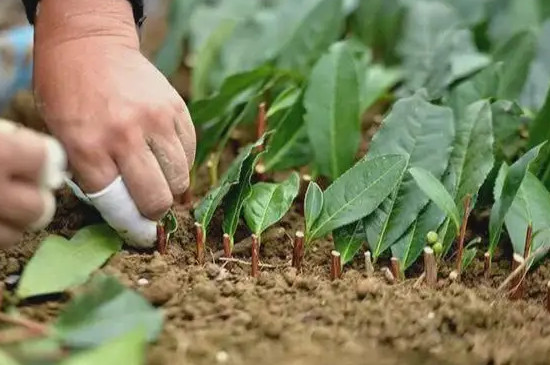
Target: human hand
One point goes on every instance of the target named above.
(31, 167)
(114, 112)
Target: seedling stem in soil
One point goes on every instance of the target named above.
(260, 124)
(395, 268)
(517, 287)
(254, 270)
(200, 243)
(430, 267)
(227, 245)
(298, 251)
(465, 215)
(369, 267)
(335, 265)
(487, 265)
(548, 296)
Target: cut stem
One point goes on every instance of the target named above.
(388, 275)
(298, 251)
(161, 239)
(335, 265)
(395, 268)
(369, 267)
(465, 216)
(260, 123)
(430, 267)
(227, 246)
(487, 265)
(517, 284)
(200, 243)
(548, 296)
(254, 269)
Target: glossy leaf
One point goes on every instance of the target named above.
(348, 240)
(414, 128)
(60, 264)
(516, 55)
(105, 311)
(269, 202)
(332, 111)
(530, 206)
(237, 195)
(435, 190)
(289, 146)
(313, 205)
(208, 205)
(358, 192)
(130, 347)
(510, 186)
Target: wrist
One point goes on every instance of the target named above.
(69, 20)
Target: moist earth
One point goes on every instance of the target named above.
(217, 313)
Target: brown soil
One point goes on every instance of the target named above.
(218, 314)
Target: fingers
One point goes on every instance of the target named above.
(173, 161)
(9, 235)
(22, 204)
(187, 135)
(144, 179)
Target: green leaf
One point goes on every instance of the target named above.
(332, 105)
(409, 247)
(510, 17)
(281, 105)
(348, 240)
(269, 202)
(313, 205)
(376, 82)
(539, 131)
(538, 80)
(130, 347)
(468, 257)
(530, 206)
(237, 195)
(471, 160)
(358, 192)
(516, 55)
(424, 132)
(508, 120)
(170, 54)
(510, 187)
(5, 359)
(105, 311)
(60, 264)
(435, 190)
(436, 50)
(289, 146)
(208, 205)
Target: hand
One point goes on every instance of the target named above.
(31, 166)
(114, 112)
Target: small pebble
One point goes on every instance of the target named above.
(431, 315)
(222, 357)
(143, 282)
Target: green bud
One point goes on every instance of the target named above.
(438, 248)
(432, 238)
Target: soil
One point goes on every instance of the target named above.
(217, 313)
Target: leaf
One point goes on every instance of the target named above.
(530, 206)
(237, 195)
(5, 359)
(516, 55)
(170, 54)
(510, 187)
(510, 17)
(332, 111)
(60, 264)
(414, 128)
(436, 50)
(130, 347)
(208, 205)
(508, 120)
(313, 205)
(409, 247)
(377, 81)
(348, 240)
(539, 131)
(435, 190)
(105, 311)
(289, 146)
(281, 105)
(471, 160)
(269, 202)
(538, 79)
(358, 192)
(468, 257)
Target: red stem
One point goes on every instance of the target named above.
(395, 269)
(161, 239)
(254, 269)
(335, 266)
(200, 243)
(465, 216)
(548, 296)
(298, 252)
(261, 125)
(226, 246)
(487, 265)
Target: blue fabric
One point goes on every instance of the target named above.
(15, 62)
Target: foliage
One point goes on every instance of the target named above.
(60, 264)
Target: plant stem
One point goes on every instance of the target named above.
(298, 251)
(369, 268)
(487, 265)
(335, 265)
(542, 250)
(200, 243)
(212, 165)
(227, 245)
(395, 269)
(161, 239)
(254, 270)
(35, 327)
(261, 124)
(548, 296)
(388, 275)
(517, 287)
(465, 216)
(528, 241)
(430, 267)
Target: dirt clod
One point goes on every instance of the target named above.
(207, 291)
(161, 291)
(369, 287)
(12, 266)
(290, 275)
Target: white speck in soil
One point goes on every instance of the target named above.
(431, 315)
(222, 357)
(143, 282)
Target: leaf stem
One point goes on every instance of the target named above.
(465, 216)
(200, 242)
(34, 327)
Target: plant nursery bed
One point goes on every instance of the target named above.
(218, 313)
